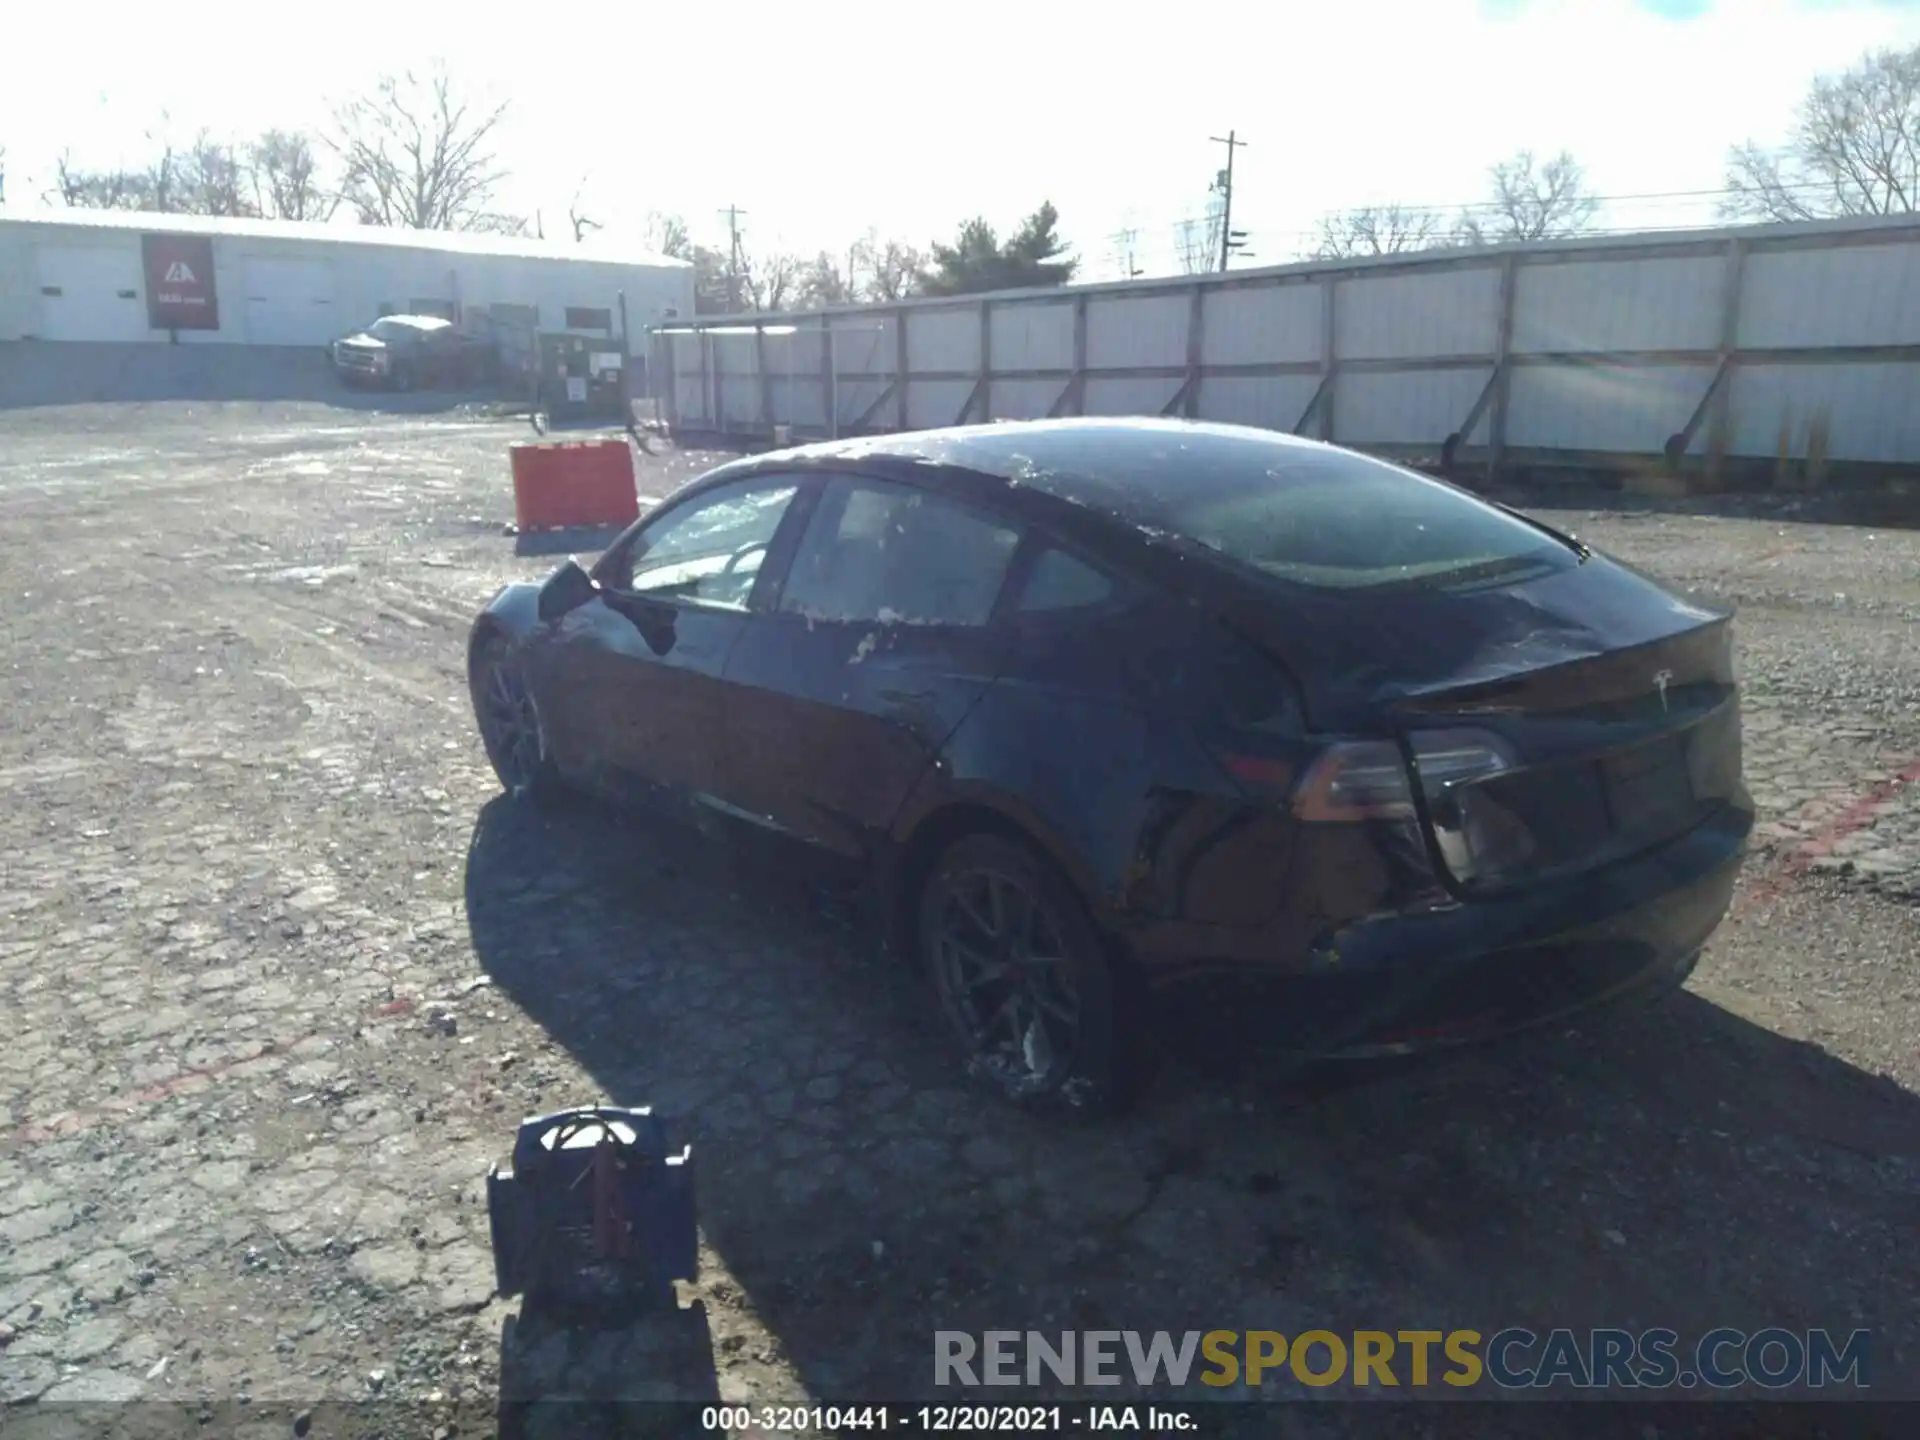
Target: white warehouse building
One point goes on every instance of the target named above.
(124, 276)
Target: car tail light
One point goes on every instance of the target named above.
(1363, 791)
(1477, 837)
(1363, 780)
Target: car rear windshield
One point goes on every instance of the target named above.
(1335, 520)
(1297, 511)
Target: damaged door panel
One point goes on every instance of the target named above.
(878, 643)
(641, 663)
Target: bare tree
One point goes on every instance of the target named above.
(577, 217)
(501, 223)
(285, 173)
(893, 269)
(212, 179)
(91, 189)
(153, 186)
(113, 189)
(827, 280)
(1854, 149)
(769, 282)
(3, 174)
(712, 280)
(1759, 188)
(159, 184)
(1377, 230)
(1532, 201)
(76, 187)
(1196, 239)
(415, 155)
(667, 235)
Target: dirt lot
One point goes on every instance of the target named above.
(281, 971)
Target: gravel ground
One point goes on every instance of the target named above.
(283, 971)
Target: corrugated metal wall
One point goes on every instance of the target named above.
(1723, 343)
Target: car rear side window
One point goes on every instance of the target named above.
(895, 554)
(1060, 582)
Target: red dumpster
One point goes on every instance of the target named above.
(573, 483)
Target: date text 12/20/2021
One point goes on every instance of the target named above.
(941, 1419)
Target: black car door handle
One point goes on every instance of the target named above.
(654, 621)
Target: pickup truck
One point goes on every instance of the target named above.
(400, 352)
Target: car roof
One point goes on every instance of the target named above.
(1107, 485)
(1126, 467)
(418, 322)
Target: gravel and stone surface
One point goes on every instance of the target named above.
(281, 971)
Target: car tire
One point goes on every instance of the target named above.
(402, 376)
(1096, 1064)
(511, 730)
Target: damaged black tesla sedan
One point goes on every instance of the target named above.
(1138, 729)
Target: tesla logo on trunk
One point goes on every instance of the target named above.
(1660, 681)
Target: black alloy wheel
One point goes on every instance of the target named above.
(1022, 978)
(510, 723)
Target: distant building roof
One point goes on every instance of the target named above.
(446, 242)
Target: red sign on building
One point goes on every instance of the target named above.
(180, 293)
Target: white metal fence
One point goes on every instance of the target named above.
(1760, 342)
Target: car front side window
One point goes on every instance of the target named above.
(897, 555)
(710, 549)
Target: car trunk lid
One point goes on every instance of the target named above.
(1588, 715)
(1606, 758)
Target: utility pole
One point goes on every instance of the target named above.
(733, 214)
(1225, 186)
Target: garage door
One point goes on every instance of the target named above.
(91, 292)
(289, 302)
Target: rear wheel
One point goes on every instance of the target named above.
(510, 726)
(1024, 981)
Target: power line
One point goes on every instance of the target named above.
(1471, 207)
(1163, 259)
(1678, 204)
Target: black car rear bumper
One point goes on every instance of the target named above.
(1404, 984)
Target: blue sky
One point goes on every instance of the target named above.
(822, 121)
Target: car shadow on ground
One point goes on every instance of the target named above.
(1666, 1166)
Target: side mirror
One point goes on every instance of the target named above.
(565, 591)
